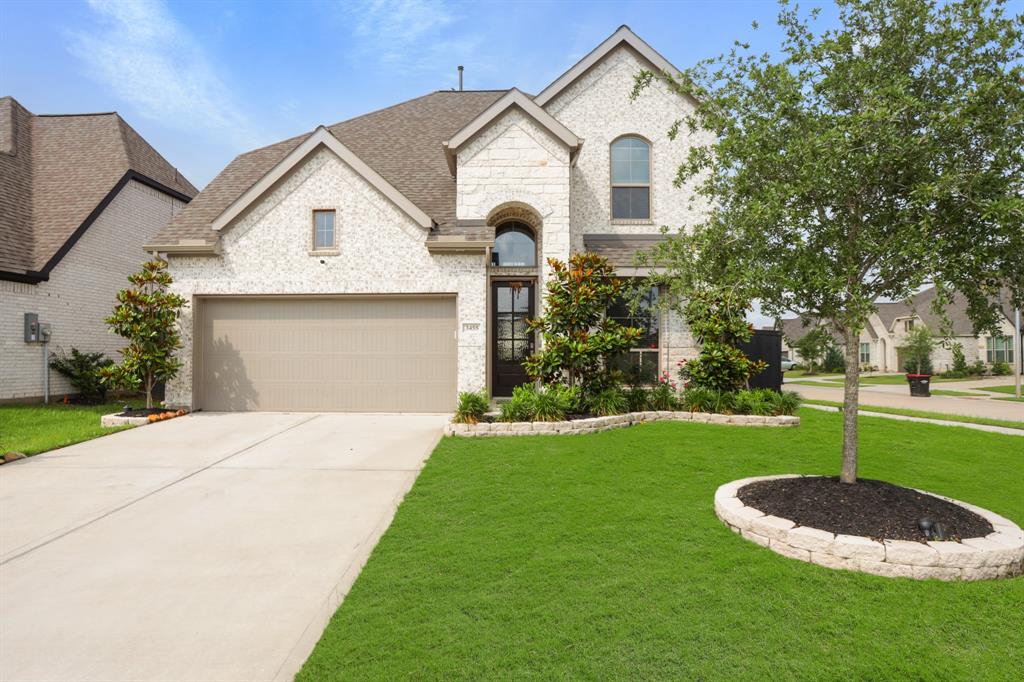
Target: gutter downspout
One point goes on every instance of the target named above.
(46, 374)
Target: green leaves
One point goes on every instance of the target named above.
(578, 340)
(147, 315)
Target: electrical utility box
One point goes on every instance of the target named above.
(32, 328)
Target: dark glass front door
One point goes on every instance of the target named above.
(511, 340)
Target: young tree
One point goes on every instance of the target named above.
(717, 319)
(812, 347)
(147, 315)
(579, 340)
(918, 350)
(863, 162)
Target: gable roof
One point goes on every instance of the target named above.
(57, 173)
(514, 98)
(796, 328)
(320, 137)
(623, 36)
(920, 305)
(401, 143)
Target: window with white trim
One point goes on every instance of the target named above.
(865, 353)
(631, 179)
(999, 349)
(640, 364)
(908, 325)
(323, 230)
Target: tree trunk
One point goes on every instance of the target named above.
(850, 400)
(149, 392)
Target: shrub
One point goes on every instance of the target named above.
(834, 360)
(663, 395)
(579, 339)
(545, 403)
(723, 402)
(760, 401)
(638, 399)
(147, 315)
(959, 360)
(717, 318)
(976, 369)
(697, 399)
(787, 402)
(83, 372)
(607, 402)
(915, 366)
(471, 408)
(1001, 369)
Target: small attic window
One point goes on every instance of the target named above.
(323, 230)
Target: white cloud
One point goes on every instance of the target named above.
(416, 36)
(153, 63)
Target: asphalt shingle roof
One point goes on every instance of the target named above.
(402, 143)
(55, 170)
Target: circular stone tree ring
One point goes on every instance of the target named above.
(1000, 554)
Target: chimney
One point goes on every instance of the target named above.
(460, 77)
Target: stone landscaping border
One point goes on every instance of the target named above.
(595, 424)
(999, 554)
(109, 421)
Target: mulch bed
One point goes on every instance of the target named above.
(143, 412)
(873, 509)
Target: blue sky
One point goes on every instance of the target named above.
(205, 81)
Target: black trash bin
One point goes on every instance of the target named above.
(920, 385)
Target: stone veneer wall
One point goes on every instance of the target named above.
(80, 292)
(598, 109)
(997, 555)
(618, 421)
(380, 250)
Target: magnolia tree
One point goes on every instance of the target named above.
(579, 339)
(147, 315)
(862, 162)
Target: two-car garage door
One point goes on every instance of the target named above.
(345, 354)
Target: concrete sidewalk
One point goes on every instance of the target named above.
(211, 547)
(993, 409)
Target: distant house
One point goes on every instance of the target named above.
(79, 196)
(889, 325)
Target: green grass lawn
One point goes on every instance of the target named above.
(797, 373)
(600, 557)
(943, 391)
(37, 428)
(927, 415)
(1000, 389)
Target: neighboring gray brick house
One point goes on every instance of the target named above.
(79, 196)
(389, 261)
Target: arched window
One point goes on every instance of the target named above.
(631, 179)
(514, 246)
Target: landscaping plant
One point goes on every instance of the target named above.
(834, 361)
(472, 407)
(717, 318)
(859, 163)
(579, 340)
(812, 347)
(147, 315)
(530, 402)
(82, 371)
(1001, 369)
(664, 394)
(638, 399)
(608, 401)
(918, 351)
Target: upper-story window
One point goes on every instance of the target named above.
(908, 325)
(631, 179)
(323, 230)
(514, 246)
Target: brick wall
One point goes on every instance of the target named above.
(80, 292)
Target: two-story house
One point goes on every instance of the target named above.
(388, 262)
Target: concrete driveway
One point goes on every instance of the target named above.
(212, 547)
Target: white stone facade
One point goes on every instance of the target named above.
(513, 163)
(380, 251)
(80, 292)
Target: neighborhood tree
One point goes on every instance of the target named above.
(862, 162)
(147, 315)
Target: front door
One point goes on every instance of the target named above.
(512, 341)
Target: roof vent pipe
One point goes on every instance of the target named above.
(460, 77)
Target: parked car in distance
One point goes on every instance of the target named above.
(788, 365)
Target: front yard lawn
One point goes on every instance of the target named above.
(31, 429)
(600, 557)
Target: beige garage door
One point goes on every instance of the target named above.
(372, 354)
